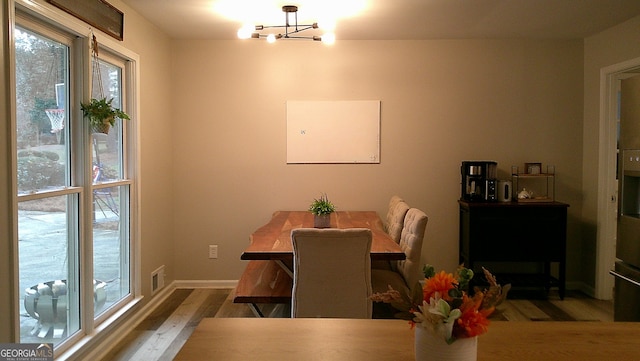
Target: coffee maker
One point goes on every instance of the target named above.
(479, 183)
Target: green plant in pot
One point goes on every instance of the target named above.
(322, 209)
(101, 114)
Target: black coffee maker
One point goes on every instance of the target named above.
(479, 183)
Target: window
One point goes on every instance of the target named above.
(48, 201)
(110, 192)
(74, 188)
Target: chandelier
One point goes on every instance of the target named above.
(289, 31)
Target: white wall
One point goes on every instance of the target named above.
(512, 101)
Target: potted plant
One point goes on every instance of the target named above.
(102, 114)
(322, 209)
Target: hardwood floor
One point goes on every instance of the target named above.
(576, 306)
(162, 334)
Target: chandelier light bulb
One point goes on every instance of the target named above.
(327, 24)
(329, 38)
(245, 31)
(271, 38)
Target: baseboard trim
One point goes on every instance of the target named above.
(206, 284)
(582, 287)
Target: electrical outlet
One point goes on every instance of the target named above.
(213, 251)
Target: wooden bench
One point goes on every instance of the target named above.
(263, 282)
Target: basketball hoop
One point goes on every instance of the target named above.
(56, 117)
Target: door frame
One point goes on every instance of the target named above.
(607, 184)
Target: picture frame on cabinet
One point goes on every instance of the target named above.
(533, 168)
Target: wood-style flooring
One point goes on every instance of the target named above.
(162, 334)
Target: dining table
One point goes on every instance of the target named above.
(268, 276)
(284, 339)
(272, 241)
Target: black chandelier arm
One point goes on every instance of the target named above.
(287, 32)
(307, 26)
(280, 36)
(315, 37)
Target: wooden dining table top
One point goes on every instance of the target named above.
(273, 240)
(354, 340)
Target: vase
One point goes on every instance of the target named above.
(322, 220)
(429, 346)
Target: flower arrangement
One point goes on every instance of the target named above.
(322, 206)
(444, 306)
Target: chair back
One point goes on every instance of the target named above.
(415, 224)
(331, 273)
(390, 210)
(395, 220)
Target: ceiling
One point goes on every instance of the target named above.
(406, 19)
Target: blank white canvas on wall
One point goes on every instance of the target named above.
(333, 131)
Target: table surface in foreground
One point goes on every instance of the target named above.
(354, 340)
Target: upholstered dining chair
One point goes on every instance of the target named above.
(331, 273)
(398, 208)
(406, 273)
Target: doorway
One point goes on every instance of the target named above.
(610, 80)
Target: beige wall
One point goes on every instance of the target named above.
(443, 102)
(155, 148)
(610, 47)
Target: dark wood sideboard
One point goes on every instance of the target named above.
(513, 233)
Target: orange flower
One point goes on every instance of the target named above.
(441, 282)
(472, 322)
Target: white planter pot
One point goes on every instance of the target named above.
(429, 347)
